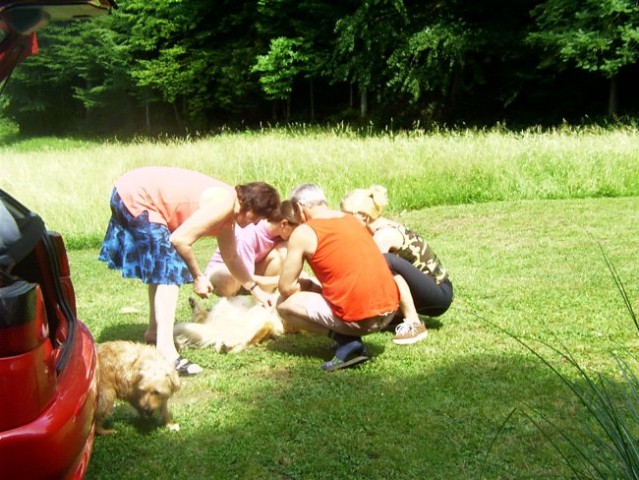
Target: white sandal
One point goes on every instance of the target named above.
(187, 368)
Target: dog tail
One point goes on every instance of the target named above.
(191, 334)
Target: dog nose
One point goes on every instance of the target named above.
(148, 411)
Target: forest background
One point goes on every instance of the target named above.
(194, 66)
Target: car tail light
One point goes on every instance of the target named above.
(27, 361)
(47, 265)
(23, 325)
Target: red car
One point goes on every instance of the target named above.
(48, 384)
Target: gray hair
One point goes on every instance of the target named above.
(308, 194)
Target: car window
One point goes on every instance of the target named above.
(9, 231)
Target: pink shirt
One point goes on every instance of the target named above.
(169, 194)
(254, 242)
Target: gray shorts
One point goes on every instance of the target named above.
(319, 311)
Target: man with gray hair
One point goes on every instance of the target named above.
(357, 294)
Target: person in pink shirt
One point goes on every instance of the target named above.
(157, 214)
(262, 247)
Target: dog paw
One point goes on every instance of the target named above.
(173, 427)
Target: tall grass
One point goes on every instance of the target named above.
(419, 169)
(603, 443)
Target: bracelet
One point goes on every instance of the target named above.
(253, 286)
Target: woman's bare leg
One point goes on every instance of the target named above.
(162, 307)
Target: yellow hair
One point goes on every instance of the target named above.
(370, 201)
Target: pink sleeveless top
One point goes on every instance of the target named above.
(169, 194)
(254, 243)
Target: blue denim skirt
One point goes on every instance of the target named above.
(141, 249)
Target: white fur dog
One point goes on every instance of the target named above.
(233, 324)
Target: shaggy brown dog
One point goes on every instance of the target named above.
(233, 324)
(138, 374)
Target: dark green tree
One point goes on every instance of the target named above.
(457, 58)
(312, 24)
(365, 40)
(70, 78)
(431, 64)
(278, 69)
(599, 36)
(186, 65)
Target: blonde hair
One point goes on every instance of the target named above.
(369, 201)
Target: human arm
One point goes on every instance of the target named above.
(215, 211)
(406, 301)
(387, 238)
(303, 243)
(227, 243)
(268, 269)
(267, 282)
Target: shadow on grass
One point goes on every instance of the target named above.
(272, 413)
(123, 331)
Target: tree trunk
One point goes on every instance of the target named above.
(147, 116)
(87, 110)
(176, 113)
(612, 98)
(351, 101)
(312, 98)
(363, 103)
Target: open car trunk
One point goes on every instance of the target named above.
(30, 254)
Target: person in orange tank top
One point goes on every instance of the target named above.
(157, 214)
(356, 294)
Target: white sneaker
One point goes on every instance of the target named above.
(409, 333)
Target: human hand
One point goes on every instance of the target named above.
(265, 298)
(202, 286)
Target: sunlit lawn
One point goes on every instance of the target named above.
(517, 219)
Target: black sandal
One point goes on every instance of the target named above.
(353, 348)
(338, 364)
(186, 368)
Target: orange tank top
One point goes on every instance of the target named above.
(169, 194)
(355, 278)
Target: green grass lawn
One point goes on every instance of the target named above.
(518, 218)
(430, 410)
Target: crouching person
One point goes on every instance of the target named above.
(357, 294)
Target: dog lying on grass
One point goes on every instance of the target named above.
(233, 324)
(138, 374)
